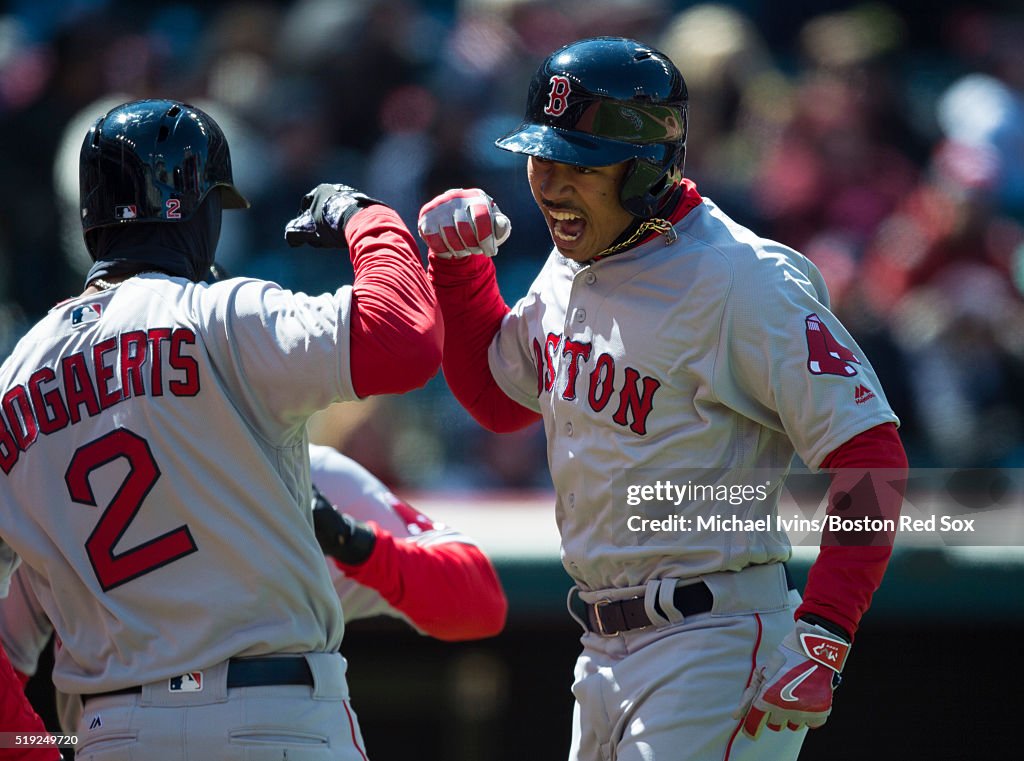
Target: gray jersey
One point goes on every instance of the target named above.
(155, 474)
(25, 629)
(709, 359)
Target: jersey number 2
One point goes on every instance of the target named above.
(112, 569)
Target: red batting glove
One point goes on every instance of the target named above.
(461, 222)
(794, 688)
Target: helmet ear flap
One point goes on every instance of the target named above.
(646, 185)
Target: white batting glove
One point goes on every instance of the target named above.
(794, 688)
(460, 222)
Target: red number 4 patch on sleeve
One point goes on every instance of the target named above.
(825, 355)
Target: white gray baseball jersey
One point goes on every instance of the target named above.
(709, 358)
(25, 629)
(195, 503)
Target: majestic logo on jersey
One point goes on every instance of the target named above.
(126, 212)
(862, 393)
(558, 97)
(635, 394)
(190, 682)
(83, 315)
(825, 355)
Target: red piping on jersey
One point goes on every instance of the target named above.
(352, 728)
(449, 590)
(750, 676)
(842, 580)
(473, 309)
(396, 331)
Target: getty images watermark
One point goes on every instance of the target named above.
(963, 507)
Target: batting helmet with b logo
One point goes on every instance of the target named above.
(606, 100)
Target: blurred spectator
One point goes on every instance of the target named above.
(965, 365)
(889, 148)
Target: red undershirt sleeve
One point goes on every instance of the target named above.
(473, 309)
(396, 328)
(17, 715)
(449, 590)
(868, 479)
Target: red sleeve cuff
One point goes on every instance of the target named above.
(449, 590)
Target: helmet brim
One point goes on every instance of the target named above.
(577, 148)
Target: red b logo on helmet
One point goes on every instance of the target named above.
(558, 98)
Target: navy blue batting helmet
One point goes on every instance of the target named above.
(606, 100)
(153, 161)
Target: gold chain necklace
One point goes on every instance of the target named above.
(655, 224)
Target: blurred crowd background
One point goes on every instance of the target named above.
(884, 141)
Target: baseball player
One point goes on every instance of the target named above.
(154, 469)
(662, 343)
(408, 567)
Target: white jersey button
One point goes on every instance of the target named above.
(590, 278)
(572, 499)
(581, 315)
(568, 429)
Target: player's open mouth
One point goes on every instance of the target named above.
(566, 227)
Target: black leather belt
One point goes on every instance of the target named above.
(610, 617)
(250, 672)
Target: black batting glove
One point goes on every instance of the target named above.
(341, 536)
(323, 214)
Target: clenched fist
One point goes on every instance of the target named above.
(461, 222)
(323, 214)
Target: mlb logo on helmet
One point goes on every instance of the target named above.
(190, 682)
(126, 212)
(86, 313)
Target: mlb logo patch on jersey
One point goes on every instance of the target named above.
(126, 212)
(84, 314)
(190, 682)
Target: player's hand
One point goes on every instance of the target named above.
(794, 688)
(323, 214)
(340, 535)
(460, 222)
